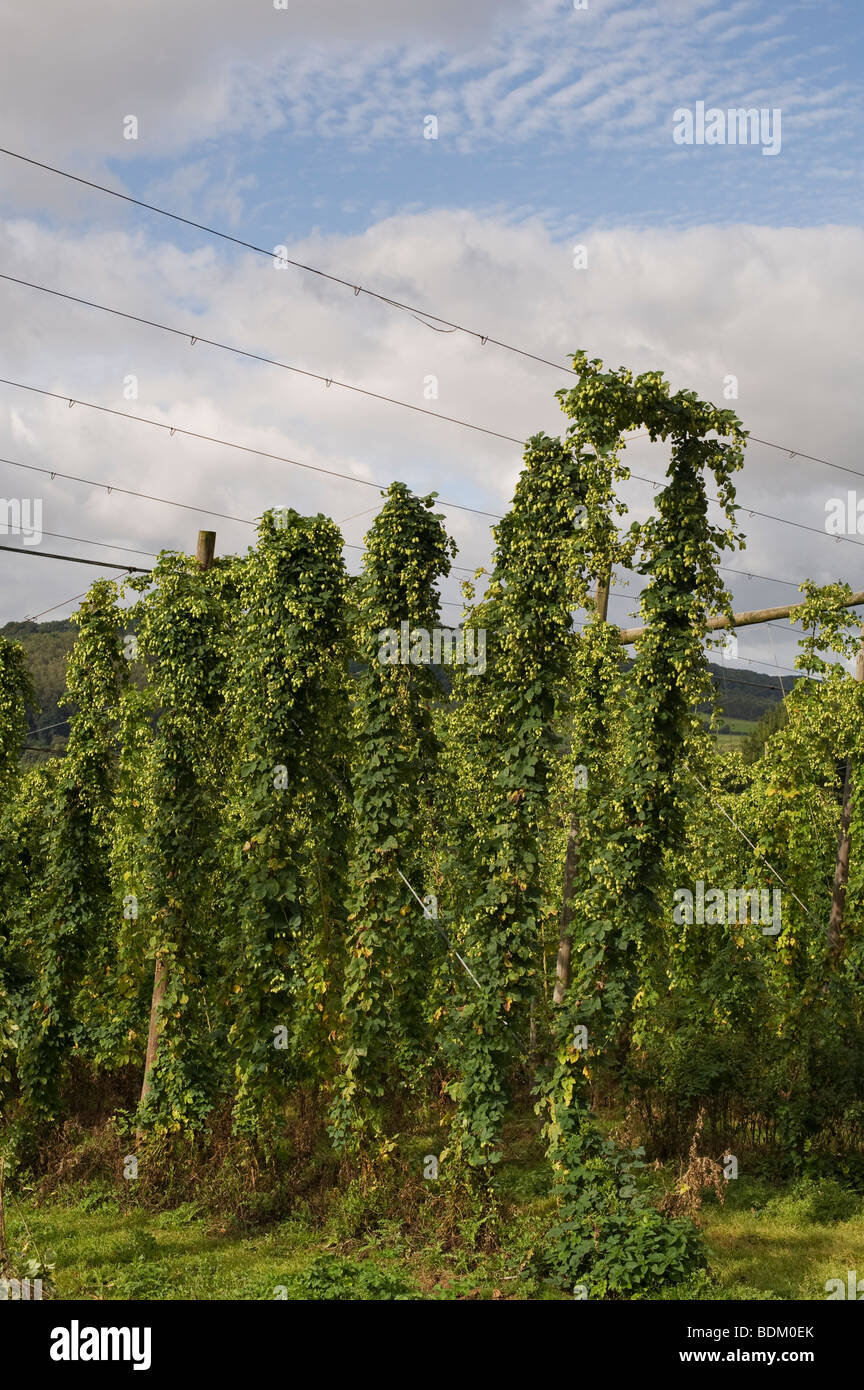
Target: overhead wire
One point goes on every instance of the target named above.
(225, 443)
(358, 289)
(328, 381)
(329, 472)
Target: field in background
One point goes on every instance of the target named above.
(734, 740)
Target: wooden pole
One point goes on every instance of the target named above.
(206, 549)
(755, 615)
(601, 598)
(204, 559)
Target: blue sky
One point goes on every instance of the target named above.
(559, 113)
(288, 121)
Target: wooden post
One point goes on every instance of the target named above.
(206, 549)
(204, 560)
(601, 598)
(565, 940)
(755, 615)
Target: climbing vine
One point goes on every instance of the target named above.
(390, 943)
(502, 723)
(627, 831)
(286, 707)
(297, 868)
(16, 692)
(181, 644)
(64, 931)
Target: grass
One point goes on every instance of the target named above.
(765, 1242)
(787, 1242)
(739, 729)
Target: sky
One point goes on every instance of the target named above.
(512, 168)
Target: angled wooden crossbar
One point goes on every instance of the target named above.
(755, 615)
(841, 872)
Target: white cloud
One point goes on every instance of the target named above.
(69, 74)
(502, 72)
(20, 432)
(780, 309)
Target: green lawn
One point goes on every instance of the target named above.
(740, 728)
(765, 1242)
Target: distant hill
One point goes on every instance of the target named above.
(743, 694)
(47, 646)
(748, 694)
